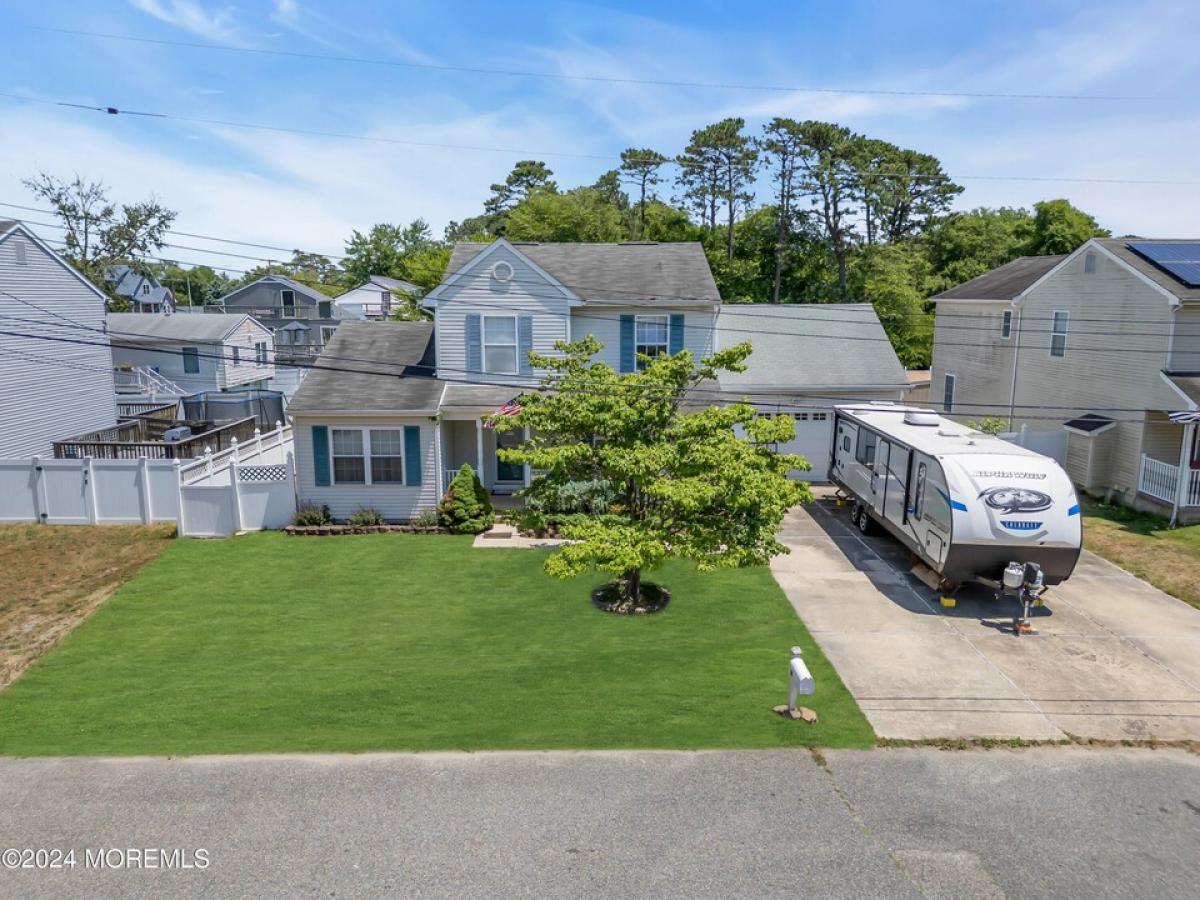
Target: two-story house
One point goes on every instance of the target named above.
(143, 291)
(301, 318)
(195, 353)
(54, 357)
(393, 409)
(375, 298)
(1102, 347)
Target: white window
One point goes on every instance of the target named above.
(1006, 324)
(260, 353)
(948, 394)
(500, 345)
(237, 355)
(289, 303)
(145, 288)
(349, 466)
(324, 309)
(191, 360)
(1058, 334)
(387, 456)
(368, 455)
(1089, 262)
(651, 336)
(327, 333)
(19, 251)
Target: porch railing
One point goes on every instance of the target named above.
(1160, 480)
(127, 440)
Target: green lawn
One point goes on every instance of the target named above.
(413, 642)
(1169, 558)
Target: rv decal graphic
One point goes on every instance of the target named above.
(1015, 500)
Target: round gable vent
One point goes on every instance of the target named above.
(502, 271)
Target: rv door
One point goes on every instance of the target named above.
(879, 475)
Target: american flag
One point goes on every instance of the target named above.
(511, 408)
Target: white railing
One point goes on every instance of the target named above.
(262, 449)
(1161, 481)
(448, 476)
(143, 380)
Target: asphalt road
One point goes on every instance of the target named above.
(897, 823)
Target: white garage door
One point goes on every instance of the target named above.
(814, 432)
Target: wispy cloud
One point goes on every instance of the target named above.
(214, 23)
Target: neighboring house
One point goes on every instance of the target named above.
(51, 387)
(393, 409)
(144, 292)
(301, 318)
(197, 353)
(1101, 348)
(375, 298)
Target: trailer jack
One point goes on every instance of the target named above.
(1025, 582)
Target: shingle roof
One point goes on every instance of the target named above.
(1090, 423)
(1004, 282)
(373, 367)
(1118, 247)
(140, 327)
(297, 286)
(395, 284)
(822, 345)
(631, 274)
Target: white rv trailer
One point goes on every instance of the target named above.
(968, 504)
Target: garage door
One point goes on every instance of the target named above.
(814, 432)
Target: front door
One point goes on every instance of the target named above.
(879, 477)
(508, 471)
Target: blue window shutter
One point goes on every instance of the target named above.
(675, 341)
(412, 454)
(474, 345)
(524, 344)
(320, 451)
(628, 357)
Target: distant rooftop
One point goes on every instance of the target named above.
(1004, 282)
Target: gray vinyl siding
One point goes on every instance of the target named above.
(605, 324)
(215, 373)
(478, 293)
(969, 345)
(397, 503)
(51, 390)
(1185, 347)
(246, 371)
(1116, 347)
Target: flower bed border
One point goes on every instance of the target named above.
(332, 530)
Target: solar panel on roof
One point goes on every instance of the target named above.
(1180, 260)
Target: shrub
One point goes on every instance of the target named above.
(465, 508)
(365, 516)
(426, 518)
(311, 514)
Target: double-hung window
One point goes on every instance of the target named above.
(651, 335)
(260, 353)
(948, 394)
(289, 303)
(500, 345)
(349, 466)
(864, 452)
(237, 355)
(387, 456)
(1058, 334)
(368, 455)
(1006, 324)
(191, 360)
(324, 309)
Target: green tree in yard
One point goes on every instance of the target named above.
(780, 147)
(827, 175)
(902, 191)
(965, 245)
(465, 507)
(687, 484)
(200, 285)
(1059, 227)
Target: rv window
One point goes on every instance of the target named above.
(919, 494)
(865, 452)
(846, 443)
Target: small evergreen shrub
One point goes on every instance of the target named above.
(465, 507)
(311, 514)
(365, 516)
(426, 518)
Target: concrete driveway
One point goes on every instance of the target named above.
(1114, 657)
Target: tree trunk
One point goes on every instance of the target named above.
(729, 205)
(633, 585)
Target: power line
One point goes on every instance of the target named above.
(439, 145)
(402, 371)
(602, 79)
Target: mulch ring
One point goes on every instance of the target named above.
(311, 530)
(610, 598)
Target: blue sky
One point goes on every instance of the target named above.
(308, 191)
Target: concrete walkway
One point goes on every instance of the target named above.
(1115, 658)
(1063, 822)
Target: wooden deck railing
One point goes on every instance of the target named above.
(127, 440)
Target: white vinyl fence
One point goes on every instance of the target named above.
(246, 488)
(1047, 443)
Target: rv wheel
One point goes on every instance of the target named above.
(865, 525)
